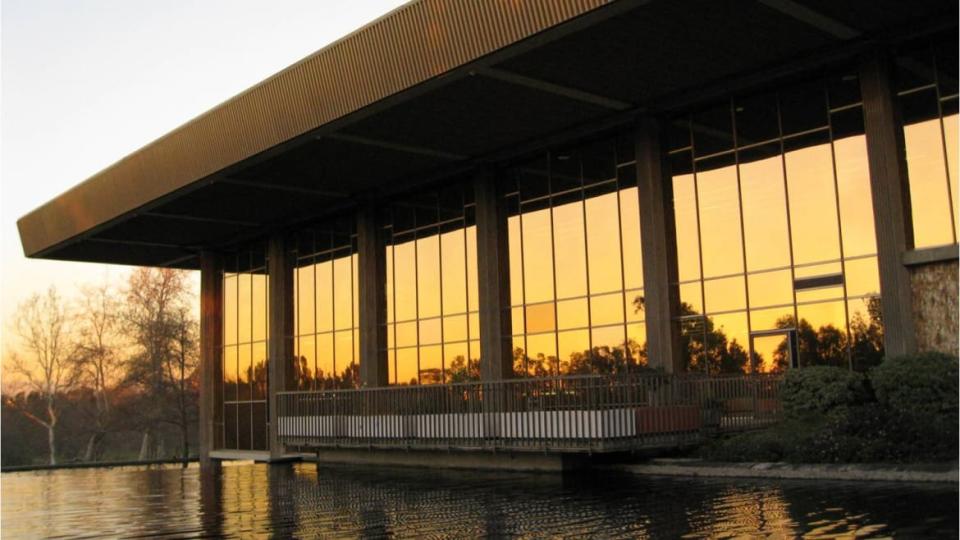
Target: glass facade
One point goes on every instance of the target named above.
(576, 274)
(927, 84)
(776, 249)
(244, 352)
(432, 323)
(325, 313)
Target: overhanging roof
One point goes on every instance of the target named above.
(433, 86)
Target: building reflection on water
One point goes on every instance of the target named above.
(302, 500)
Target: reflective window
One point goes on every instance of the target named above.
(575, 264)
(432, 322)
(244, 352)
(776, 248)
(325, 306)
(928, 100)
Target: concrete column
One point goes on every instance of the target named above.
(211, 366)
(280, 342)
(890, 191)
(372, 277)
(493, 276)
(658, 240)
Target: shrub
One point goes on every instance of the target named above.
(820, 390)
(922, 385)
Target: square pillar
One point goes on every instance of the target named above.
(658, 240)
(493, 277)
(211, 365)
(890, 191)
(280, 374)
(372, 285)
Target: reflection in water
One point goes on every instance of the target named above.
(303, 500)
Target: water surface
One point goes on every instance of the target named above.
(302, 500)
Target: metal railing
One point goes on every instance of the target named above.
(583, 413)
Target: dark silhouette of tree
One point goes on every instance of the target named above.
(460, 370)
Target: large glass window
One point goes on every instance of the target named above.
(244, 352)
(575, 265)
(325, 312)
(775, 237)
(432, 325)
(927, 80)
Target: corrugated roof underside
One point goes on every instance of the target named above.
(413, 44)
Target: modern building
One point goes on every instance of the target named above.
(467, 221)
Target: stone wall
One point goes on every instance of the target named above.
(935, 306)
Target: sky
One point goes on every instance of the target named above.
(84, 83)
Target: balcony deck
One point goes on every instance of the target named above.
(569, 414)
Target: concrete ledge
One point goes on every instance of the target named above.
(917, 257)
(259, 456)
(942, 473)
(452, 460)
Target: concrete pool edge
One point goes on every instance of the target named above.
(866, 472)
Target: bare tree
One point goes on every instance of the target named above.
(98, 358)
(44, 327)
(179, 367)
(155, 300)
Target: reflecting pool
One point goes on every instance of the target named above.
(302, 500)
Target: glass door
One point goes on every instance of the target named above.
(773, 351)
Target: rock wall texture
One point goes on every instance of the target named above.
(935, 306)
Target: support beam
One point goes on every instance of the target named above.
(493, 276)
(280, 374)
(553, 88)
(813, 18)
(372, 278)
(201, 219)
(275, 186)
(658, 242)
(890, 191)
(397, 147)
(211, 366)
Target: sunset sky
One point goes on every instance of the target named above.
(86, 83)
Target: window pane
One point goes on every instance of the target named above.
(574, 351)
(455, 328)
(569, 250)
(608, 353)
(771, 354)
(244, 308)
(259, 371)
(305, 299)
(765, 213)
(472, 285)
(516, 320)
(630, 231)
(542, 355)
(862, 277)
(343, 354)
(230, 310)
(537, 256)
(866, 333)
(950, 122)
(245, 372)
(770, 288)
(259, 306)
(343, 293)
(389, 287)
(325, 370)
(430, 331)
(606, 309)
(516, 261)
(727, 343)
(822, 334)
(405, 282)
(720, 221)
(407, 366)
(572, 314)
(813, 204)
(691, 298)
(633, 302)
(725, 294)
(230, 373)
(540, 318)
(406, 334)
(453, 262)
(773, 318)
(456, 357)
(428, 276)
(928, 184)
(685, 215)
(637, 343)
(323, 283)
(856, 204)
(603, 243)
(431, 365)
